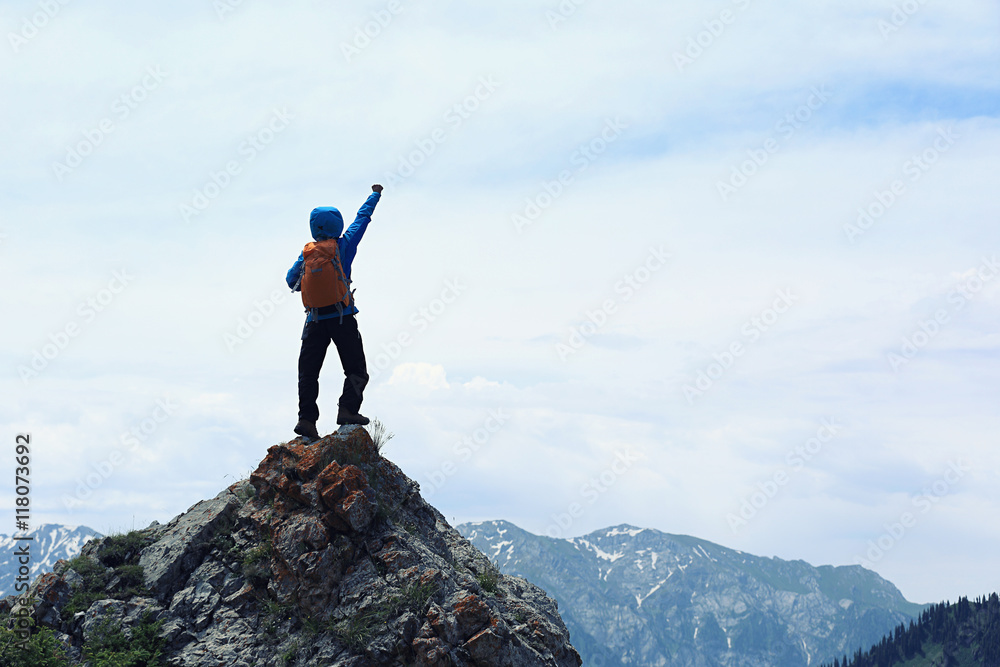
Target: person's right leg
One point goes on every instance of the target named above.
(315, 341)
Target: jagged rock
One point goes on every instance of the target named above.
(197, 603)
(327, 555)
(181, 545)
(74, 580)
(483, 646)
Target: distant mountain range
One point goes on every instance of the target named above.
(637, 596)
(50, 543)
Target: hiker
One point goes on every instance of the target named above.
(323, 274)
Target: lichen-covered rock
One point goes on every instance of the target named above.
(327, 555)
(52, 593)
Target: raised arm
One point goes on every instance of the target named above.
(357, 229)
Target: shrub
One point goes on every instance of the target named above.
(417, 595)
(255, 562)
(122, 549)
(489, 580)
(117, 560)
(109, 646)
(380, 435)
(42, 649)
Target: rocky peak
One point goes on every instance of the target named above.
(327, 555)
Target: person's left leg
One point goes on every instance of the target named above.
(347, 338)
(315, 341)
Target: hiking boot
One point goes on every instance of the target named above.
(307, 430)
(345, 417)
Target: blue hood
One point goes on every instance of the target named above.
(326, 222)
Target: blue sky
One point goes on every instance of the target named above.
(259, 111)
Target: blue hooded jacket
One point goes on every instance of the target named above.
(326, 222)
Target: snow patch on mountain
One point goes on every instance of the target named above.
(598, 551)
(498, 547)
(640, 598)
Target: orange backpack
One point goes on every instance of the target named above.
(323, 282)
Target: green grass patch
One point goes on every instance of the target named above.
(355, 631)
(274, 614)
(109, 646)
(289, 654)
(489, 579)
(223, 540)
(311, 626)
(117, 561)
(417, 595)
(382, 511)
(122, 549)
(256, 562)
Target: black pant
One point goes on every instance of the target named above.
(315, 340)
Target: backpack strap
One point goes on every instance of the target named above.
(350, 292)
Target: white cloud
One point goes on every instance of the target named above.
(423, 375)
